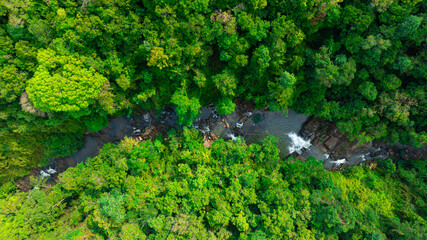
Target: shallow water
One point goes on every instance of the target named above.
(89, 150)
(253, 126)
(284, 128)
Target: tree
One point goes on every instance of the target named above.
(256, 27)
(131, 231)
(95, 123)
(328, 72)
(408, 25)
(158, 58)
(261, 61)
(112, 205)
(64, 84)
(356, 18)
(391, 82)
(18, 154)
(225, 82)
(12, 83)
(282, 92)
(187, 108)
(62, 145)
(41, 31)
(225, 106)
(175, 187)
(368, 90)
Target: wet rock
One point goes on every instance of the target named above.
(227, 125)
(24, 183)
(322, 147)
(64, 163)
(312, 137)
(300, 158)
(243, 107)
(329, 139)
(378, 153)
(331, 142)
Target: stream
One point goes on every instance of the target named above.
(253, 126)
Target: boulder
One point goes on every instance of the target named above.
(331, 142)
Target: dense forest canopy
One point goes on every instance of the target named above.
(177, 188)
(66, 66)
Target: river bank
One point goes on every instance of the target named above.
(326, 136)
(298, 135)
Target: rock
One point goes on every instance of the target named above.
(24, 183)
(300, 158)
(322, 147)
(305, 134)
(311, 137)
(329, 139)
(331, 142)
(225, 123)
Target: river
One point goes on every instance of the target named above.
(253, 126)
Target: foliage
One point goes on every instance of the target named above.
(179, 189)
(63, 84)
(62, 145)
(18, 154)
(66, 66)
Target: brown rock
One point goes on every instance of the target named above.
(300, 158)
(321, 146)
(331, 143)
(24, 184)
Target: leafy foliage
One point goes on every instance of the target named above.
(179, 189)
(66, 65)
(62, 145)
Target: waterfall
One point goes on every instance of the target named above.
(339, 162)
(297, 143)
(232, 137)
(203, 130)
(47, 173)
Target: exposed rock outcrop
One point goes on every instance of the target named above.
(329, 139)
(27, 106)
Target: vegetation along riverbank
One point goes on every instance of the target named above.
(165, 119)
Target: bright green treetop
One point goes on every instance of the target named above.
(64, 84)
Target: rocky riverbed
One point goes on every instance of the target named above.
(326, 137)
(298, 135)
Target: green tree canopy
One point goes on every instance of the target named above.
(64, 84)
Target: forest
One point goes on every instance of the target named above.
(68, 66)
(173, 187)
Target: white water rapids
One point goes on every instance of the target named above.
(297, 143)
(47, 173)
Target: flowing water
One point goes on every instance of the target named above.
(252, 126)
(257, 125)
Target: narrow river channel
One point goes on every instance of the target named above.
(253, 126)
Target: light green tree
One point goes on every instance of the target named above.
(64, 84)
